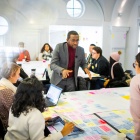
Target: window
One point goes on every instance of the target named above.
(75, 8)
(3, 26)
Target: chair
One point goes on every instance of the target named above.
(2, 130)
(81, 83)
(130, 72)
(117, 83)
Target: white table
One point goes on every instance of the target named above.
(40, 67)
(80, 107)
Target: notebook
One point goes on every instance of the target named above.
(53, 95)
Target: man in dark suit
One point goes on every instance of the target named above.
(66, 60)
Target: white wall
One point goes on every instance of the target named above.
(132, 37)
(53, 12)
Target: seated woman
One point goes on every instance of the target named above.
(116, 70)
(46, 52)
(26, 113)
(10, 74)
(24, 54)
(100, 64)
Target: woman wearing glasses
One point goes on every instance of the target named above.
(135, 97)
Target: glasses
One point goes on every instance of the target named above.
(134, 65)
(73, 40)
(94, 53)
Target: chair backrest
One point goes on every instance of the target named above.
(81, 83)
(130, 72)
(117, 83)
(2, 130)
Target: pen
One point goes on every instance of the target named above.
(44, 73)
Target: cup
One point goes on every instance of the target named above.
(33, 71)
(121, 136)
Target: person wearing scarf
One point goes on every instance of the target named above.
(9, 75)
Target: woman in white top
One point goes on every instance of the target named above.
(46, 52)
(26, 121)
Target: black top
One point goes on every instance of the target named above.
(117, 70)
(100, 66)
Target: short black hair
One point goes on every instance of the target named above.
(28, 95)
(71, 33)
(92, 45)
(138, 58)
(98, 50)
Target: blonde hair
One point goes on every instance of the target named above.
(9, 69)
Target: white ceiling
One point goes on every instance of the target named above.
(40, 10)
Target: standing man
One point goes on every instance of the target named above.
(66, 60)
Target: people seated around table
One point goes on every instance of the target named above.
(135, 98)
(25, 118)
(46, 52)
(23, 54)
(89, 58)
(116, 70)
(9, 73)
(100, 64)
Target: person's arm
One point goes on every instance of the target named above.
(23, 74)
(88, 72)
(27, 56)
(55, 61)
(36, 126)
(83, 63)
(40, 57)
(102, 67)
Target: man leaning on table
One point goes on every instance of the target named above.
(66, 60)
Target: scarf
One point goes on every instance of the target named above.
(7, 84)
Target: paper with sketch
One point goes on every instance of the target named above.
(82, 74)
(68, 119)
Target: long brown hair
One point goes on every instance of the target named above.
(43, 48)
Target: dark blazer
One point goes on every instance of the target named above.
(60, 61)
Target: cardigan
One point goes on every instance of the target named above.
(7, 84)
(29, 127)
(6, 100)
(135, 104)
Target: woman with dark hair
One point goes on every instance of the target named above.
(116, 76)
(135, 97)
(46, 52)
(116, 70)
(26, 113)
